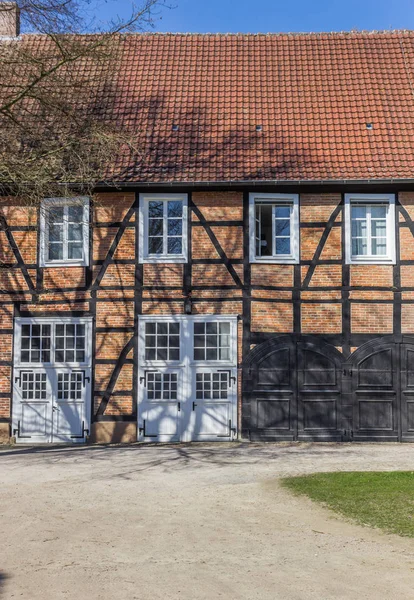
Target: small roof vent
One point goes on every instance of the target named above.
(175, 127)
(369, 126)
(259, 127)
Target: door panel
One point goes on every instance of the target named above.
(272, 394)
(375, 392)
(213, 399)
(161, 406)
(319, 393)
(32, 410)
(69, 419)
(407, 392)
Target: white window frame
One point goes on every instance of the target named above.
(366, 199)
(47, 203)
(187, 340)
(87, 321)
(144, 257)
(288, 199)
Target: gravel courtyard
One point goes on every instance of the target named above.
(191, 522)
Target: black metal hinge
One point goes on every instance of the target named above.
(19, 434)
(84, 431)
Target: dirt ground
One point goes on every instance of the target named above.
(189, 523)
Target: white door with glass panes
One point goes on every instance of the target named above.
(51, 381)
(187, 379)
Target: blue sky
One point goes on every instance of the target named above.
(274, 15)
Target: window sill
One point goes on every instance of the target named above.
(271, 260)
(63, 263)
(164, 259)
(370, 261)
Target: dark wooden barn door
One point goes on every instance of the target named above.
(292, 390)
(407, 390)
(319, 393)
(375, 392)
(272, 393)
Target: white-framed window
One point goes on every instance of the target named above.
(162, 341)
(274, 228)
(369, 228)
(64, 232)
(177, 340)
(163, 228)
(212, 340)
(45, 341)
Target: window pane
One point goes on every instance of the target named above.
(378, 212)
(55, 251)
(155, 209)
(150, 328)
(150, 354)
(211, 341)
(282, 245)
(60, 330)
(75, 250)
(162, 328)
(174, 328)
(155, 245)
(175, 226)
(26, 330)
(55, 215)
(36, 330)
(150, 341)
(80, 330)
(379, 246)
(199, 341)
(211, 353)
(224, 354)
(174, 341)
(224, 327)
(174, 354)
(199, 354)
(175, 246)
(379, 228)
(282, 227)
(25, 356)
(175, 208)
(358, 211)
(162, 354)
(359, 247)
(265, 213)
(199, 328)
(55, 233)
(282, 212)
(75, 232)
(155, 227)
(359, 228)
(211, 328)
(75, 214)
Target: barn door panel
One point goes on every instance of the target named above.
(319, 393)
(375, 384)
(407, 392)
(272, 397)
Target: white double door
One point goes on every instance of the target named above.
(187, 403)
(51, 405)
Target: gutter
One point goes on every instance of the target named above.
(266, 182)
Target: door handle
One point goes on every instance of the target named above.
(194, 405)
(55, 408)
(179, 406)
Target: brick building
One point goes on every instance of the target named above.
(252, 276)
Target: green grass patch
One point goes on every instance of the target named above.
(384, 500)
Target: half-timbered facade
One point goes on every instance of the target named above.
(253, 277)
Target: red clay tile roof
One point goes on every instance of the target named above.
(312, 95)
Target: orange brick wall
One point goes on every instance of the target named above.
(320, 311)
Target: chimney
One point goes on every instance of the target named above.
(9, 19)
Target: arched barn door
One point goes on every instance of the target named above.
(374, 386)
(292, 390)
(381, 385)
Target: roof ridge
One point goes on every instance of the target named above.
(351, 32)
